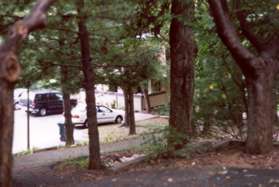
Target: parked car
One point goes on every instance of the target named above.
(18, 94)
(44, 102)
(104, 115)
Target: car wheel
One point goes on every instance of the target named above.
(118, 119)
(42, 112)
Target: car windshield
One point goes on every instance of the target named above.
(103, 109)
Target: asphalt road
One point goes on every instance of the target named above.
(44, 131)
(167, 177)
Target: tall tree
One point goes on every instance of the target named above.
(9, 72)
(259, 66)
(89, 85)
(182, 54)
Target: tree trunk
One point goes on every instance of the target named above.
(6, 132)
(261, 113)
(183, 52)
(9, 73)
(67, 108)
(89, 85)
(147, 99)
(129, 110)
(68, 119)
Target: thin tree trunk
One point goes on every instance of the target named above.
(147, 99)
(131, 113)
(129, 110)
(126, 121)
(89, 85)
(6, 132)
(183, 53)
(69, 127)
(67, 108)
(68, 120)
(261, 113)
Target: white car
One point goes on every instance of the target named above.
(104, 115)
(18, 94)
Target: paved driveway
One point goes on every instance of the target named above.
(44, 132)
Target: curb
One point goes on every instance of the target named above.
(165, 117)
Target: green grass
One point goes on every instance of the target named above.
(162, 110)
(81, 162)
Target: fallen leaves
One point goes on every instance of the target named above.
(170, 180)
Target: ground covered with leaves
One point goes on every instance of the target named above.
(231, 155)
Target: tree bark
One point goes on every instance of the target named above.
(129, 110)
(182, 52)
(9, 73)
(147, 98)
(68, 119)
(67, 108)
(6, 132)
(89, 85)
(261, 113)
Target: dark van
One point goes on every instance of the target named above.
(45, 102)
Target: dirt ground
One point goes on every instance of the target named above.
(231, 156)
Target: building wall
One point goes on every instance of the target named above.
(116, 100)
(157, 99)
(112, 99)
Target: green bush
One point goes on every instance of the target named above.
(157, 142)
(162, 110)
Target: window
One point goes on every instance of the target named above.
(53, 96)
(104, 109)
(41, 97)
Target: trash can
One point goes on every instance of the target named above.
(62, 131)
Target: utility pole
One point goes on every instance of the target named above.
(28, 117)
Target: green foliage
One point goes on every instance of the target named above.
(113, 32)
(127, 37)
(81, 162)
(263, 17)
(130, 64)
(156, 142)
(220, 95)
(27, 152)
(163, 110)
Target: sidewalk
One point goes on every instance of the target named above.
(36, 169)
(46, 158)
